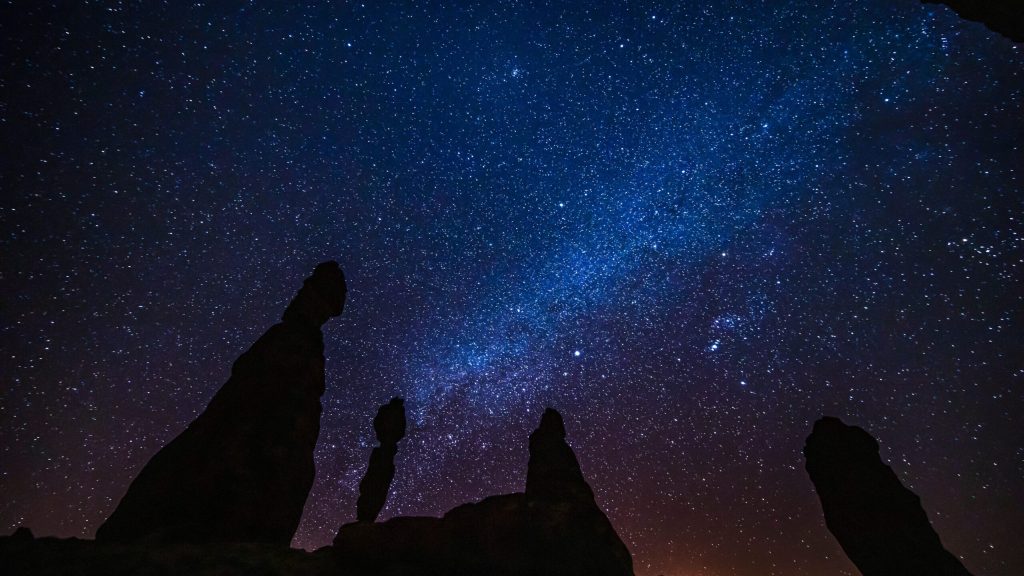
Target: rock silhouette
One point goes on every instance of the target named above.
(879, 523)
(241, 472)
(389, 425)
(555, 527)
(554, 473)
(1005, 17)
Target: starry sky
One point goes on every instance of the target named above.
(694, 228)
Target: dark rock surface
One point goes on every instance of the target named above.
(1005, 17)
(389, 425)
(554, 473)
(226, 495)
(74, 557)
(553, 528)
(879, 523)
(242, 470)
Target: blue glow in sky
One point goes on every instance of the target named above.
(692, 228)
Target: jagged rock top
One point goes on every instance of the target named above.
(321, 297)
(551, 424)
(839, 446)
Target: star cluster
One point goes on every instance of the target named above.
(693, 228)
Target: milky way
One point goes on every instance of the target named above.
(692, 228)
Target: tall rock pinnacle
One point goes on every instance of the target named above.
(242, 470)
(373, 490)
(879, 523)
(567, 528)
(553, 472)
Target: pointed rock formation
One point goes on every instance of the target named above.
(879, 523)
(242, 470)
(555, 528)
(554, 473)
(389, 426)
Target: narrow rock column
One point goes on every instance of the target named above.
(567, 532)
(878, 522)
(241, 472)
(389, 425)
(554, 473)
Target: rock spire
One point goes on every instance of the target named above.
(389, 425)
(879, 523)
(242, 470)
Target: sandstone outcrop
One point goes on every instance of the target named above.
(241, 472)
(554, 528)
(879, 523)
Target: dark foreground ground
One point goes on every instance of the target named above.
(67, 557)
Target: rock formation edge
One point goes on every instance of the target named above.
(879, 523)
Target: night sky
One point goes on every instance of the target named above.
(693, 228)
